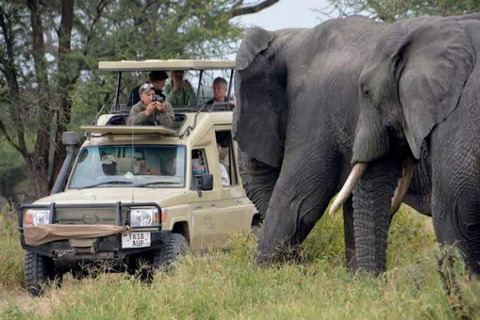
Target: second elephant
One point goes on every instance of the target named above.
(297, 109)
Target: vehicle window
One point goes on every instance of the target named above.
(226, 157)
(199, 166)
(127, 166)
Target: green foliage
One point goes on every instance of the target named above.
(48, 88)
(391, 10)
(228, 285)
(11, 252)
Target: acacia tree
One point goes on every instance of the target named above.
(391, 10)
(50, 48)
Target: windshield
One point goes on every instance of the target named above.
(129, 166)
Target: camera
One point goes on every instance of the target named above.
(158, 98)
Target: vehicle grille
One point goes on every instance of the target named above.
(89, 215)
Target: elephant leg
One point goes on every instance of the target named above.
(348, 228)
(258, 180)
(371, 203)
(300, 197)
(456, 205)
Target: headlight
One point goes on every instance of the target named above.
(36, 217)
(141, 217)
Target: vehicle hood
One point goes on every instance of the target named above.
(109, 195)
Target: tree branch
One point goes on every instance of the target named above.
(248, 9)
(3, 129)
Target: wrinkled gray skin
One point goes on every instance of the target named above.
(297, 109)
(421, 87)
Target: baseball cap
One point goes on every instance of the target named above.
(145, 87)
(108, 159)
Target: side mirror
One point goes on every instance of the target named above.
(206, 183)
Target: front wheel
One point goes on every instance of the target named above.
(175, 247)
(39, 270)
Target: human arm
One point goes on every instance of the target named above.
(166, 116)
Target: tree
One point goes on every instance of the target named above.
(391, 10)
(49, 51)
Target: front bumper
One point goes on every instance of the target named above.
(105, 247)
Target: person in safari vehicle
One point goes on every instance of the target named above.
(149, 111)
(179, 91)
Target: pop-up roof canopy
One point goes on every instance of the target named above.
(148, 65)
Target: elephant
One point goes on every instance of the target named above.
(419, 95)
(294, 122)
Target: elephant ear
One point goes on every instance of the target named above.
(434, 60)
(260, 98)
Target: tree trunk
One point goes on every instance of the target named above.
(65, 83)
(38, 161)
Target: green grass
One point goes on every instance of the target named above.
(11, 253)
(228, 285)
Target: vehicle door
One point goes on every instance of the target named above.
(235, 211)
(204, 203)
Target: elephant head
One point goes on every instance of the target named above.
(412, 82)
(261, 95)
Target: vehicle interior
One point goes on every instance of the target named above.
(200, 73)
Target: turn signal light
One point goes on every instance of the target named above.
(164, 214)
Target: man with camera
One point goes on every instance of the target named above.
(157, 78)
(151, 110)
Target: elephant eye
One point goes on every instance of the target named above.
(365, 91)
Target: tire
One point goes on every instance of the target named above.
(175, 247)
(39, 271)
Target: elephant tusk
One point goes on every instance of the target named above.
(403, 185)
(352, 181)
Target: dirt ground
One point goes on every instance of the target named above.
(41, 306)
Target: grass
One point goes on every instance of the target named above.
(228, 285)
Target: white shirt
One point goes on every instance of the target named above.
(224, 175)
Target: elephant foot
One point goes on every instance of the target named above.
(286, 254)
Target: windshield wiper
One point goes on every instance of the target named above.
(108, 182)
(153, 183)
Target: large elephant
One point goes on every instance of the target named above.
(421, 87)
(297, 109)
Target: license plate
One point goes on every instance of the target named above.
(136, 240)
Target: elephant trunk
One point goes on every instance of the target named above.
(371, 204)
(258, 180)
(403, 184)
(352, 181)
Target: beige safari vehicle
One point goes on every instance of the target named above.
(136, 196)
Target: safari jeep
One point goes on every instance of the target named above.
(138, 195)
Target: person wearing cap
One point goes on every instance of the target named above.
(149, 112)
(109, 165)
(179, 91)
(157, 79)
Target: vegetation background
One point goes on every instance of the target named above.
(226, 284)
(49, 51)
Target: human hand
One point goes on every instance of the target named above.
(151, 108)
(161, 107)
(176, 85)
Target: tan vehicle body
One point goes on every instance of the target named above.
(211, 217)
(136, 197)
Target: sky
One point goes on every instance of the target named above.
(287, 14)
